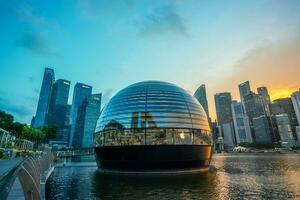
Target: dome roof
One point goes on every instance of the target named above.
(153, 104)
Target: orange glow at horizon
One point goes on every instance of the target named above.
(282, 92)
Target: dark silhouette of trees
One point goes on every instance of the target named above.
(23, 131)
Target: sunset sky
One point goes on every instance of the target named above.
(111, 44)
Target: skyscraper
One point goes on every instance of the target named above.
(285, 106)
(254, 106)
(266, 100)
(44, 99)
(228, 135)
(88, 114)
(81, 91)
(244, 89)
(263, 91)
(284, 130)
(59, 110)
(296, 104)
(241, 123)
(223, 107)
(262, 129)
(200, 95)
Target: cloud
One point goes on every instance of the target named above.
(26, 13)
(34, 42)
(163, 19)
(275, 64)
(94, 9)
(156, 17)
(20, 112)
(37, 43)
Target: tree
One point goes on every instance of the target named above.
(6, 120)
(16, 129)
(50, 131)
(26, 132)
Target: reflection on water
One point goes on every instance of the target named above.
(236, 177)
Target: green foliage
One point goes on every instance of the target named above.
(23, 131)
(1, 154)
(33, 134)
(16, 128)
(6, 120)
(50, 131)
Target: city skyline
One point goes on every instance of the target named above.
(100, 49)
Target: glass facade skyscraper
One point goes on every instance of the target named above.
(285, 106)
(88, 114)
(200, 95)
(254, 106)
(262, 129)
(241, 123)
(296, 104)
(81, 92)
(59, 110)
(44, 98)
(285, 130)
(223, 107)
(244, 89)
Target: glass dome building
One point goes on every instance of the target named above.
(152, 125)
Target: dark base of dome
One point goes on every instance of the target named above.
(164, 158)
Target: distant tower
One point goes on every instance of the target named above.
(59, 110)
(285, 106)
(262, 129)
(223, 107)
(254, 106)
(296, 104)
(200, 95)
(284, 130)
(244, 89)
(43, 103)
(87, 116)
(81, 91)
(241, 123)
(263, 91)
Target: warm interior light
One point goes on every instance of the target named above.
(181, 135)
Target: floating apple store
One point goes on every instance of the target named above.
(153, 126)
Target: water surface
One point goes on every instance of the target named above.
(235, 176)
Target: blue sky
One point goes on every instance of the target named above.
(111, 44)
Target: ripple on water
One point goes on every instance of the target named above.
(234, 177)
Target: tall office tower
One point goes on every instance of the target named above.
(263, 92)
(296, 104)
(254, 106)
(228, 135)
(88, 114)
(244, 89)
(43, 103)
(241, 123)
(284, 130)
(200, 95)
(285, 106)
(223, 107)
(81, 91)
(215, 131)
(298, 135)
(59, 110)
(262, 129)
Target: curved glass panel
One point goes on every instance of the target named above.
(152, 113)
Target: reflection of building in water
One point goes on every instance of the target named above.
(153, 124)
